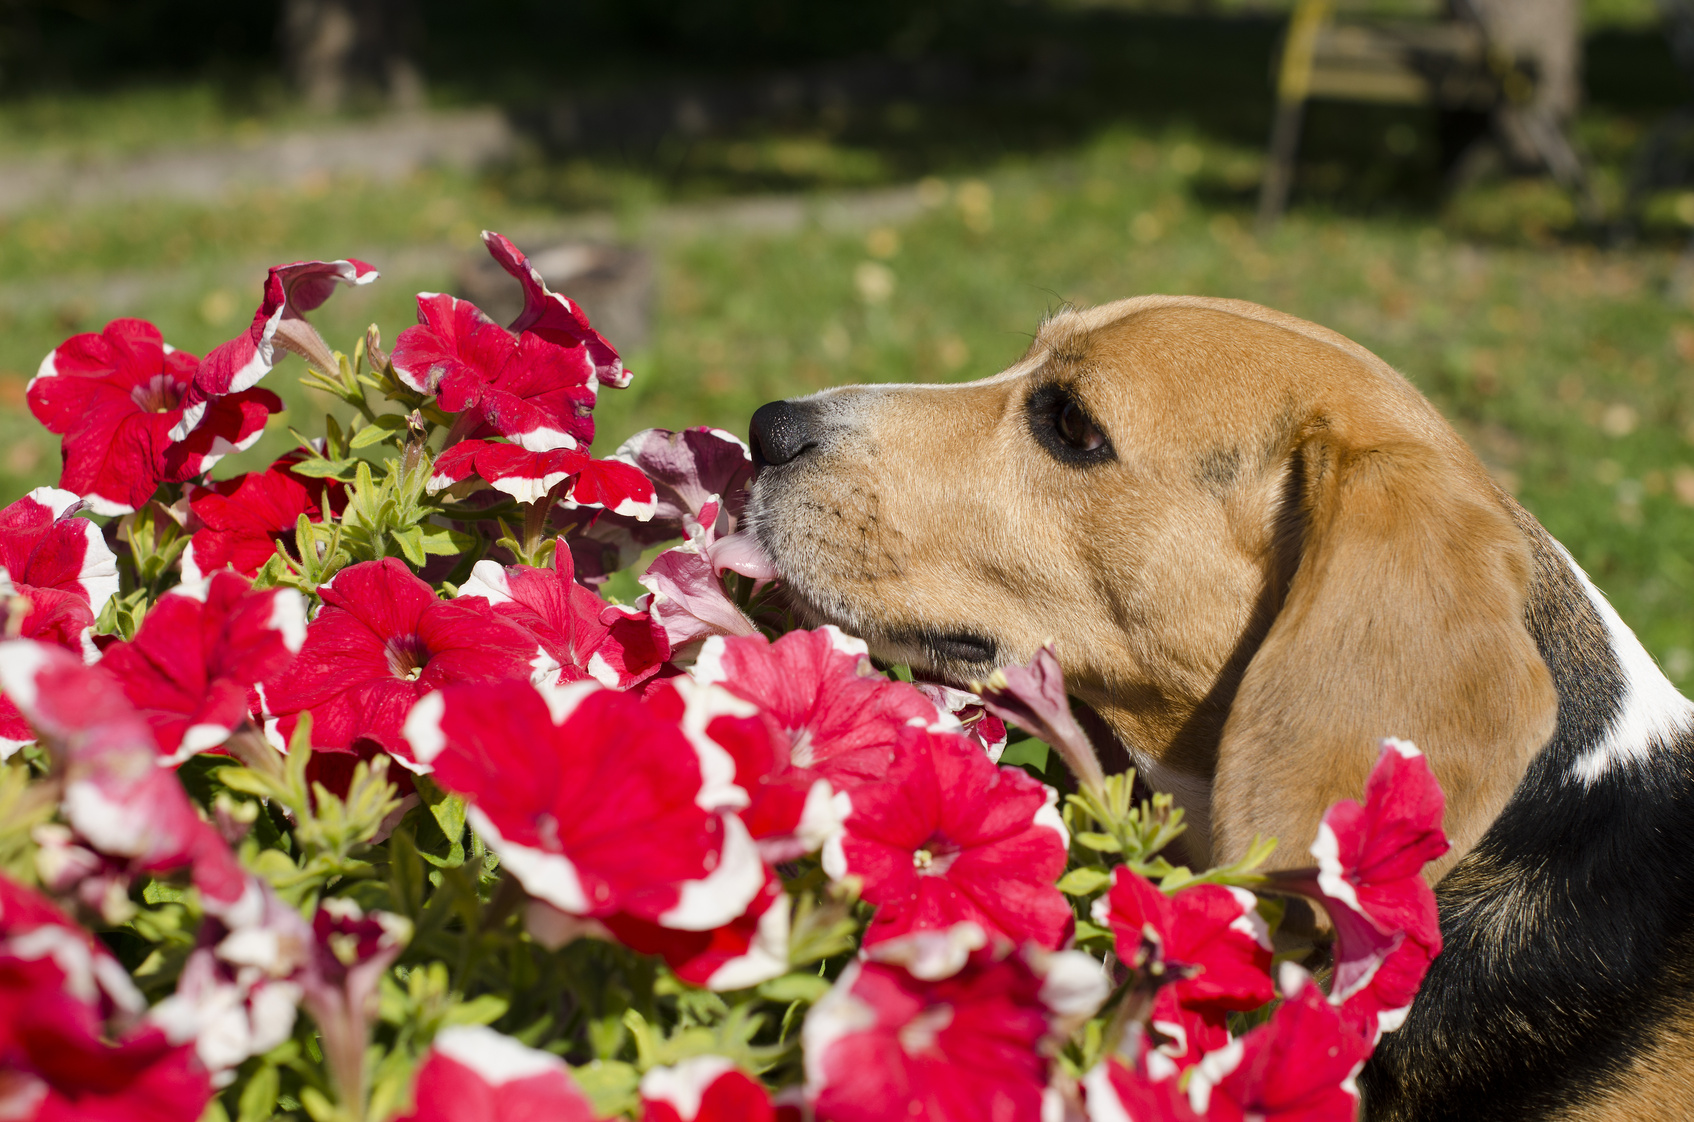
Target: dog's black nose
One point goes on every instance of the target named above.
(782, 430)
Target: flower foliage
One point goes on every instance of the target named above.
(370, 785)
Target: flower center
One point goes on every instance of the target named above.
(159, 394)
(934, 857)
(800, 747)
(407, 656)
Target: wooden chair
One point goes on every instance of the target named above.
(1448, 63)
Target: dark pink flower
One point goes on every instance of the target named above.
(704, 1089)
(535, 393)
(474, 1074)
(193, 666)
(554, 317)
(1370, 881)
(116, 398)
(69, 1046)
(242, 520)
(61, 568)
(595, 802)
(1208, 945)
(690, 469)
(233, 367)
(1298, 1067)
(967, 708)
(1144, 1090)
(380, 642)
(1033, 698)
(529, 476)
(840, 716)
(940, 1025)
(749, 949)
(588, 637)
(339, 982)
(947, 837)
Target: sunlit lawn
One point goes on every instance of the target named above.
(1569, 368)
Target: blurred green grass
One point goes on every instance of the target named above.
(1569, 367)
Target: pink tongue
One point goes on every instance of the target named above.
(741, 553)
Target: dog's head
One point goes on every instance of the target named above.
(1257, 548)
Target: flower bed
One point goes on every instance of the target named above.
(337, 790)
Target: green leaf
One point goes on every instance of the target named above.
(610, 1085)
(1084, 881)
(411, 541)
(1100, 843)
(445, 541)
(448, 810)
(483, 1010)
(1086, 930)
(794, 987)
(383, 428)
(258, 1098)
(1031, 753)
(342, 470)
(318, 1105)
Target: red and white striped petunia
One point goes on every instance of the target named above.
(474, 1074)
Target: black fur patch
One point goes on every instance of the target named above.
(1568, 930)
(1218, 470)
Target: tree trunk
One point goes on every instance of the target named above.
(336, 48)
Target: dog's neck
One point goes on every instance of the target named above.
(1617, 709)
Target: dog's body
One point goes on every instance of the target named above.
(1260, 551)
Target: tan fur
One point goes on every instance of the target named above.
(1658, 1085)
(1293, 556)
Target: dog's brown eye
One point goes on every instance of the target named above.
(1076, 430)
(1062, 427)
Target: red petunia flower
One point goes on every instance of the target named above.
(242, 520)
(841, 718)
(553, 316)
(939, 1025)
(474, 1074)
(233, 367)
(1207, 943)
(594, 801)
(1297, 1067)
(537, 394)
(200, 653)
(117, 398)
(69, 1045)
(1370, 881)
(380, 642)
(588, 637)
(973, 717)
(946, 836)
(704, 1089)
(749, 949)
(528, 476)
(60, 566)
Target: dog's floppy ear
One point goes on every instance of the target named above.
(1404, 617)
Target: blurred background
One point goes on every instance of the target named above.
(757, 198)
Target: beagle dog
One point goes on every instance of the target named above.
(1261, 551)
